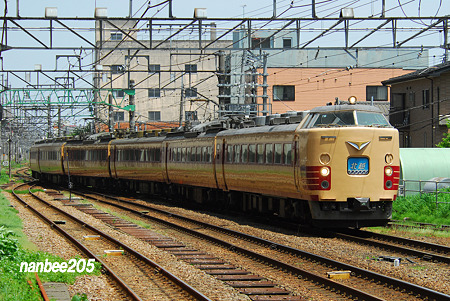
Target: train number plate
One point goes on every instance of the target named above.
(358, 166)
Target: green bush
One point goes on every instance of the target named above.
(13, 282)
(422, 208)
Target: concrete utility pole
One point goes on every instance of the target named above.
(181, 101)
(110, 114)
(265, 96)
(131, 112)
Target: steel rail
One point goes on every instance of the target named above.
(416, 289)
(186, 287)
(78, 244)
(361, 236)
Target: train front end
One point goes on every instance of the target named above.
(349, 166)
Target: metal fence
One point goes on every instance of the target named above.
(410, 187)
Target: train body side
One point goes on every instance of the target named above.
(47, 158)
(257, 160)
(141, 159)
(86, 159)
(191, 161)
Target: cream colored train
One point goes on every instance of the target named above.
(338, 167)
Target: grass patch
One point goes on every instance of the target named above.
(24, 191)
(10, 220)
(13, 283)
(422, 208)
(16, 248)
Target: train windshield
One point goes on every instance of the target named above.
(346, 118)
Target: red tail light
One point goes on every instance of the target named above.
(391, 177)
(318, 177)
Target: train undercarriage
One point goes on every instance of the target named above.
(344, 215)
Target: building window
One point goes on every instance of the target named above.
(260, 43)
(154, 68)
(284, 93)
(118, 116)
(287, 43)
(377, 92)
(116, 36)
(191, 92)
(154, 92)
(118, 93)
(190, 68)
(116, 69)
(425, 99)
(190, 115)
(154, 116)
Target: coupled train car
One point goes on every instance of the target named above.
(338, 167)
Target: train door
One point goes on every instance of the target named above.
(114, 158)
(64, 156)
(219, 163)
(296, 162)
(110, 160)
(165, 159)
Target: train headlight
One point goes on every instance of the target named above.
(389, 158)
(352, 100)
(324, 171)
(324, 158)
(388, 171)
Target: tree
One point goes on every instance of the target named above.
(445, 143)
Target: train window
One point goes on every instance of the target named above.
(193, 154)
(244, 153)
(269, 153)
(188, 154)
(199, 154)
(157, 155)
(183, 154)
(143, 156)
(334, 119)
(252, 153)
(260, 153)
(287, 154)
(218, 152)
(209, 154)
(229, 153)
(137, 155)
(151, 155)
(371, 119)
(178, 154)
(237, 154)
(278, 153)
(205, 154)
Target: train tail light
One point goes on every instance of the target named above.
(318, 177)
(391, 177)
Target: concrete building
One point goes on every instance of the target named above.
(182, 83)
(420, 105)
(166, 86)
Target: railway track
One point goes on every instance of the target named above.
(419, 249)
(139, 277)
(363, 284)
(417, 225)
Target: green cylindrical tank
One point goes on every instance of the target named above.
(422, 164)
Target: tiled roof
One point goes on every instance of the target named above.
(430, 71)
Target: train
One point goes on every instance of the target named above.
(332, 166)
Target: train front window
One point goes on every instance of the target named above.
(333, 119)
(371, 119)
(347, 118)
